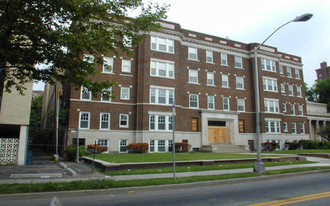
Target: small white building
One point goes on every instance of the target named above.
(317, 116)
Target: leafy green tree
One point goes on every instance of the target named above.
(56, 34)
(325, 132)
(322, 90)
(35, 114)
(310, 93)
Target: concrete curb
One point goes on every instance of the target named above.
(149, 188)
(68, 169)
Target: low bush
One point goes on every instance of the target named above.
(269, 146)
(137, 148)
(70, 152)
(311, 144)
(182, 147)
(91, 148)
(293, 145)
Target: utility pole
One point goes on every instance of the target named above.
(173, 143)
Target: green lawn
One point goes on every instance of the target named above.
(200, 168)
(161, 157)
(324, 151)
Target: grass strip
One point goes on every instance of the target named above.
(195, 168)
(313, 151)
(162, 157)
(107, 184)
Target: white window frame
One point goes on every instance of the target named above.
(155, 44)
(85, 90)
(155, 68)
(302, 128)
(169, 95)
(238, 62)
(239, 83)
(193, 53)
(281, 70)
(284, 107)
(290, 89)
(209, 56)
(168, 121)
(269, 84)
(282, 88)
(224, 59)
(88, 119)
(268, 65)
(121, 144)
(197, 98)
(241, 103)
(292, 109)
(299, 91)
(285, 127)
(88, 58)
(293, 128)
(276, 126)
(126, 66)
(106, 100)
(108, 122)
(210, 78)
(107, 65)
(226, 104)
(289, 72)
(210, 102)
(104, 145)
(192, 74)
(296, 73)
(120, 121)
(125, 95)
(225, 79)
(300, 110)
(271, 103)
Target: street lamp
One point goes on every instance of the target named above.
(259, 166)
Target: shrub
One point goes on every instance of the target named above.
(293, 145)
(311, 144)
(269, 146)
(182, 147)
(91, 148)
(71, 151)
(138, 148)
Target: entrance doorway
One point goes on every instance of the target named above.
(218, 134)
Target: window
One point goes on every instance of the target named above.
(269, 84)
(152, 146)
(283, 107)
(193, 101)
(292, 109)
(241, 126)
(210, 102)
(85, 94)
(160, 68)
(160, 122)
(240, 105)
(296, 73)
(225, 82)
(192, 53)
(161, 145)
(193, 76)
(238, 62)
(170, 145)
(210, 78)
(285, 126)
(88, 58)
(103, 143)
(268, 65)
(125, 93)
(300, 110)
(104, 121)
(127, 41)
(271, 106)
(209, 56)
(124, 120)
(106, 95)
(224, 61)
(302, 128)
(281, 69)
(162, 45)
(126, 66)
(293, 128)
(290, 88)
(107, 65)
(161, 96)
(239, 82)
(194, 124)
(282, 88)
(84, 120)
(299, 91)
(225, 102)
(273, 126)
(122, 145)
(288, 72)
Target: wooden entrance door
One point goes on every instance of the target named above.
(219, 135)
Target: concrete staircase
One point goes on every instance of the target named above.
(228, 148)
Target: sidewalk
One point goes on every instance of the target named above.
(83, 172)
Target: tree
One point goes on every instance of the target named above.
(310, 93)
(56, 34)
(325, 132)
(322, 91)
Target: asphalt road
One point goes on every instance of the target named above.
(308, 189)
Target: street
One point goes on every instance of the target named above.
(244, 193)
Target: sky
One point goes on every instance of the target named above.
(249, 21)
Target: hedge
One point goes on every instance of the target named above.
(137, 148)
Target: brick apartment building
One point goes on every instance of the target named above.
(323, 72)
(211, 81)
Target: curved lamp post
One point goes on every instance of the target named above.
(259, 166)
